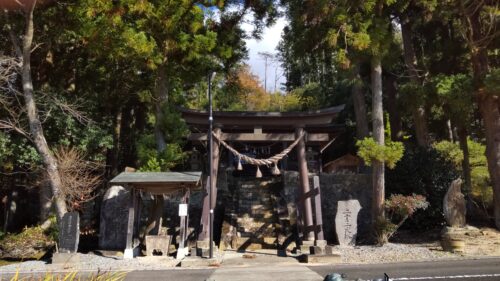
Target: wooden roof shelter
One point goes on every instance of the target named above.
(159, 182)
(156, 183)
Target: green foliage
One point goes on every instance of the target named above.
(482, 190)
(311, 96)
(423, 171)
(455, 92)
(175, 130)
(32, 242)
(390, 153)
(492, 82)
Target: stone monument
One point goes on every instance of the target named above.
(346, 222)
(114, 218)
(454, 205)
(69, 233)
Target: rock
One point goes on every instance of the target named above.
(346, 222)
(454, 205)
(69, 232)
(114, 218)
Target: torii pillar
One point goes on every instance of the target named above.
(205, 215)
(305, 188)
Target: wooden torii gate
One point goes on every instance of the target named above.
(246, 126)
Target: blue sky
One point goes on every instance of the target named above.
(268, 43)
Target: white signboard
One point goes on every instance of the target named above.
(183, 210)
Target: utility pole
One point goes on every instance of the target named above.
(266, 56)
(210, 163)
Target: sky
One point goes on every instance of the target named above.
(268, 43)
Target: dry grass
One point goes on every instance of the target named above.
(79, 177)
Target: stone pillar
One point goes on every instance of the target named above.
(129, 248)
(305, 188)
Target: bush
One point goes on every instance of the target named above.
(482, 191)
(426, 172)
(398, 209)
(31, 243)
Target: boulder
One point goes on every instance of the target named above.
(454, 205)
(114, 218)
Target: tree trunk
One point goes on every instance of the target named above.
(378, 134)
(489, 106)
(117, 122)
(449, 130)
(392, 107)
(462, 139)
(359, 105)
(36, 130)
(418, 111)
(161, 95)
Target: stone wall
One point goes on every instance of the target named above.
(335, 187)
(282, 205)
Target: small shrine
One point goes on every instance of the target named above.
(261, 145)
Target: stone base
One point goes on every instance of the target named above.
(128, 254)
(305, 246)
(321, 259)
(320, 243)
(330, 250)
(316, 250)
(198, 262)
(181, 253)
(157, 243)
(66, 258)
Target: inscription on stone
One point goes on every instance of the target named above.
(346, 222)
(114, 216)
(69, 233)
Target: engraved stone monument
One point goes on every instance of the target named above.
(346, 222)
(114, 217)
(69, 234)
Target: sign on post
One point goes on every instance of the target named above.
(183, 210)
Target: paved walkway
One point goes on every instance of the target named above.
(267, 272)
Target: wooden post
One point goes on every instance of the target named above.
(304, 180)
(183, 229)
(317, 210)
(204, 233)
(129, 248)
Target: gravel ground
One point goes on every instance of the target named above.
(91, 262)
(390, 252)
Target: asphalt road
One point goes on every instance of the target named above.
(487, 269)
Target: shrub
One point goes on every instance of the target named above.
(31, 243)
(398, 209)
(482, 191)
(426, 172)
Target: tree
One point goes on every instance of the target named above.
(479, 24)
(36, 130)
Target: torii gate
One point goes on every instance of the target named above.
(247, 126)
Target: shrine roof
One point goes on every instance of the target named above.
(159, 182)
(249, 119)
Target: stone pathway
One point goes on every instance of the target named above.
(267, 272)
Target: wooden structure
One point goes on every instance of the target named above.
(156, 183)
(347, 162)
(259, 127)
